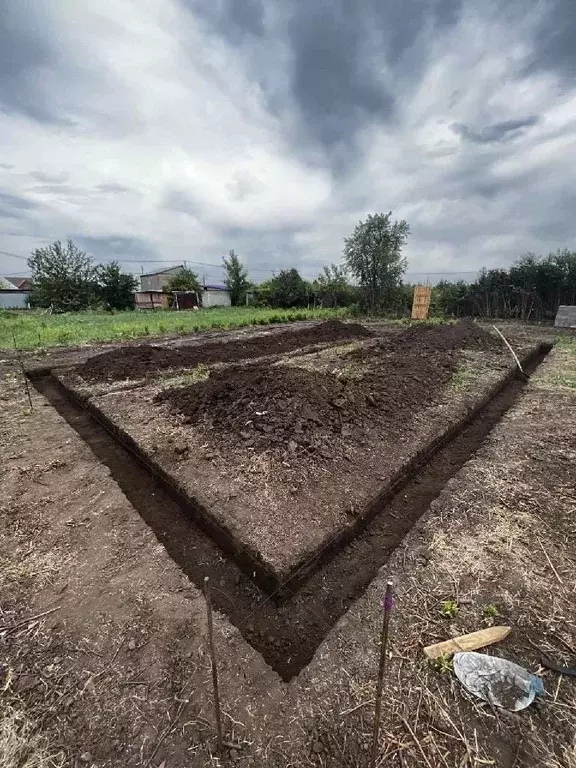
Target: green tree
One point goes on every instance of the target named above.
(288, 289)
(63, 277)
(116, 288)
(332, 287)
(451, 299)
(263, 294)
(236, 279)
(373, 255)
(185, 280)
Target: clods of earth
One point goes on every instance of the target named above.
(147, 359)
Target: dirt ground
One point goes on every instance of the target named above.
(149, 360)
(282, 459)
(104, 636)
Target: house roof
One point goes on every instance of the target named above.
(215, 287)
(163, 271)
(22, 283)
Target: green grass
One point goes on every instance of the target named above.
(567, 342)
(463, 378)
(37, 329)
(568, 376)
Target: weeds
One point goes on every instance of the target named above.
(490, 611)
(463, 378)
(200, 373)
(449, 609)
(441, 664)
(37, 329)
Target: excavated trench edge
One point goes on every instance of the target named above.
(288, 649)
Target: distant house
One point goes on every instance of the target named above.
(150, 300)
(152, 293)
(157, 281)
(216, 296)
(11, 295)
(21, 283)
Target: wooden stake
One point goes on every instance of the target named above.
(388, 605)
(23, 371)
(514, 355)
(212, 648)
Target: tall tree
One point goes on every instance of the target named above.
(236, 279)
(373, 255)
(116, 288)
(185, 280)
(288, 289)
(63, 277)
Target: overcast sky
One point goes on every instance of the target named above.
(179, 129)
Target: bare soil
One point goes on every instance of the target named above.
(146, 359)
(286, 635)
(355, 431)
(103, 635)
(295, 410)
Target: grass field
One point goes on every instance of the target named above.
(37, 329)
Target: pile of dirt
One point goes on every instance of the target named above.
(145, 359)
(465, 334)
(129, 363)
(424, 340)
(282, 408)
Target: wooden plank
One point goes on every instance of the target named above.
(421, 302)
(471, 642)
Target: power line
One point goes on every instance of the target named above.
(447, 272)
(14, 255)
(269, 270)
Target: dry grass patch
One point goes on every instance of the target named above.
(21, 746)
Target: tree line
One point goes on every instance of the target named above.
(369, 280)
(532, 289)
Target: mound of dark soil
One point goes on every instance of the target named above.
(128, 363)
(145, 359)
(282, 408)
(425, 340)
(465, 334)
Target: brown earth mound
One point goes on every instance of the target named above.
(146, 359)
(425, 339)
(463, 334)
(282, 408)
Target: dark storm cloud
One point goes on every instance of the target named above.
(111, 247)
(504, 131)
(333, 84)
(26, 54)
(340, 48)
(233, 19)
(435, 108)
(45, 79)
(555, 48)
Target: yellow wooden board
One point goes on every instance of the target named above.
(421, 302)
(471, 642)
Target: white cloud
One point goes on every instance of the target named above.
(178, 142)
